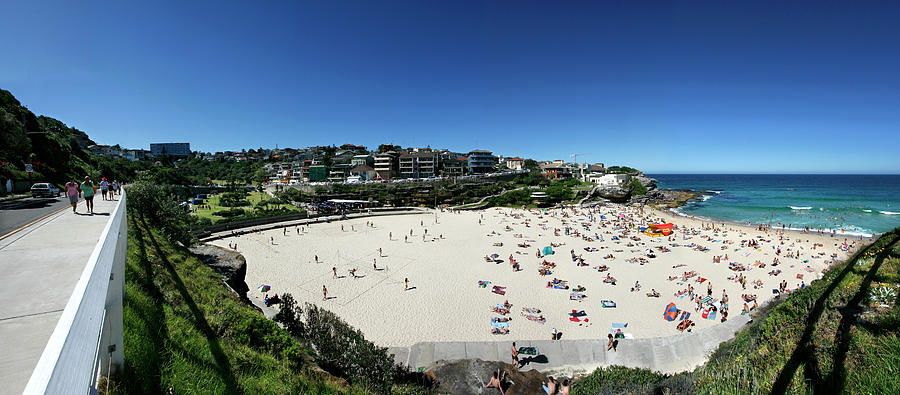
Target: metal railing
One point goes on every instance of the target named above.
(87, 343)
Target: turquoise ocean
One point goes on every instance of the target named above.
(848, 204)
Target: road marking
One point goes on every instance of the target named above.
(33, 222)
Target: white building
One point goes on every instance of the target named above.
(608, 179)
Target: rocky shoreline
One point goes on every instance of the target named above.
(662, 198)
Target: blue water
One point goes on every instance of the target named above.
(858, 204)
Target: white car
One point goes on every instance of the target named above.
(44, 189)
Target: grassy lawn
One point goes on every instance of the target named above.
(186, 331)
(253, 197)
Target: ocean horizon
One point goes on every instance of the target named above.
(850, 204)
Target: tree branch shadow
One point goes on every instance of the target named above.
(804, 353)
(838, 376)
(223, 366)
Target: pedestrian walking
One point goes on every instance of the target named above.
(515, 356)
(324, 292)
(334, 272)
(406, 284)
(87, 190)
(115, 187)
(104, 187)
(72, 193)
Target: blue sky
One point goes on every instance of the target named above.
(666, 87)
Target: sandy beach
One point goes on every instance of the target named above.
(443, 255)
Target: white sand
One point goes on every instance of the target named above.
(446, 304)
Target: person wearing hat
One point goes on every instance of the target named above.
(104, 187)
(87, 190)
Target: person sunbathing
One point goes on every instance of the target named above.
(683, 325)
(501, 319)
(609, 279)
(499, 331)
(531, 310)
(507, 304)
(653, 293)
(580, 288)
(500, 310)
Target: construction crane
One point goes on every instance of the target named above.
(575, 156)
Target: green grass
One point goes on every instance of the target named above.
(252, 197)
(185, 330)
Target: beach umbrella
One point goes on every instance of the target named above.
(547, 250)
(264, 288)
(671, 312)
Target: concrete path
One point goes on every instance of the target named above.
(39, 267)
(306, 221)
(664, 354)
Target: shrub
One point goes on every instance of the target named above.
(339, 347)
(229, 212)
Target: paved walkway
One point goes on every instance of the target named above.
(39, 267)
(664, 354)
(306, 221)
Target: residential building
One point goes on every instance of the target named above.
(515, 163)
(318, 173)
(339, 172)
(362, 173)
(387, 165)
(359, 160)
(171, 149)
(455, 166)
(481, 161)
(418, 164)
(608, 179)
(556, 169)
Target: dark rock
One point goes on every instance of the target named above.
(467, 376)
(615, 194)
(229, 264)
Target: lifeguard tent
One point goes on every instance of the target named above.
(658, 230)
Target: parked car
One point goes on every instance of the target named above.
(44, 189)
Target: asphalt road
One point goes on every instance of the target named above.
(16, 213)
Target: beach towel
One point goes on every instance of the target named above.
(712, 315)
(499, 291)
(705, 314)
(500, 324)
(575, 313)
(702, 280)
(528, 351)
(619, 325)
(608, 303)
(576, 319)
(706, 299)
(799, 276)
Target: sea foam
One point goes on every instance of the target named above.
(800, 208)
(889, 213)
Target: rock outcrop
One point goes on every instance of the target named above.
(229, 264)
(467, 376)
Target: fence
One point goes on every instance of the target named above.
(87, 342)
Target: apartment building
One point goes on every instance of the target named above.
(481, 161)
(420, 164)
(387, 165)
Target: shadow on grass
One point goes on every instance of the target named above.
(223, 367)
(146, 380)
(838, 376)
(804, 353)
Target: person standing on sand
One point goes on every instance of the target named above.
(324, 292)
(334, 271)
(317, 258)
(87, 189)
(72, 193)
(406, 284)
(515, 356)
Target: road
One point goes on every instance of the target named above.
(16, 213)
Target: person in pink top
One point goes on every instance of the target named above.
(72, 193)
